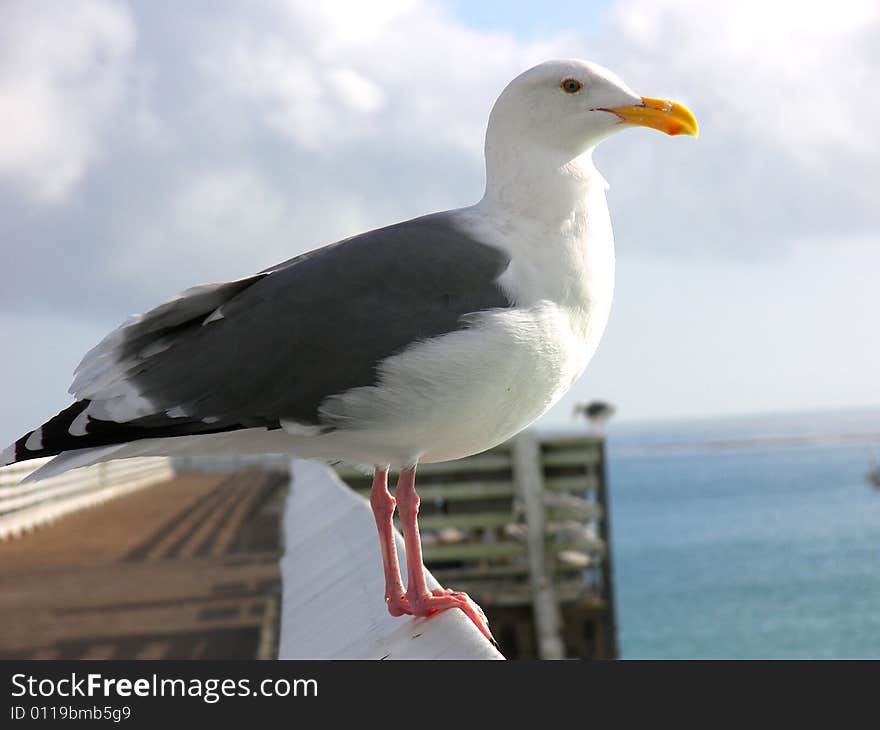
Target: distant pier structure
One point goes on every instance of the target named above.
(524, 530)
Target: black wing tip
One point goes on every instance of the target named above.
(50, 439)
(54, 436)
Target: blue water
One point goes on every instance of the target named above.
(747, 538)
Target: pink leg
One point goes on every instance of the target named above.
(420, 601)
(383, 510)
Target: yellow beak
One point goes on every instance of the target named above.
(665, 116)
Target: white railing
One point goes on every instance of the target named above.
(24, 507)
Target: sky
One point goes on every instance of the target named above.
(147, 147)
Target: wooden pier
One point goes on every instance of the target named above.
(187, 568)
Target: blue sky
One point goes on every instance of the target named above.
(529, 20)
(148, 147)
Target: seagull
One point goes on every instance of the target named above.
(424, 341)
(597, 412)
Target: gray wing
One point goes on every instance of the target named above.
(275, 345)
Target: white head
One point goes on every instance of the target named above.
(558, 110)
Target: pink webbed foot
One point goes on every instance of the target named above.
(441, 599)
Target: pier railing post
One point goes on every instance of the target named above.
(610, 625)
(528, 478)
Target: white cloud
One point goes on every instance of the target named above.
(63, 69)
(781, 89)
(222, 215)
(345, 72)
(794, 74)
(311, 121)
(788, 115)
(308, 121)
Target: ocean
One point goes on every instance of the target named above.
(747, 537)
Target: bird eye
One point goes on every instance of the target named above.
(571, 86)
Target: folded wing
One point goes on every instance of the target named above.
(273, 346)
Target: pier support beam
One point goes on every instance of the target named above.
(528, 479)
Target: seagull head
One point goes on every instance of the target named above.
(568, 106)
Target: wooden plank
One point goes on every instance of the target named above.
(232, 525)
(43, 628)
(472, 551)
(502, 550)
(482, 571)
(461, 491)
(120, 583)
(559, 443)
(498, 550)
(494, 571)
(494, 520)
(105, 532)
(466, 491)
(577, 483)
(232, 495)
(572, 457)
(466, 520)
(588, 512)
(170, 542)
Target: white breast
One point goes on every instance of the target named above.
(562, 254)
(469, 390)
(466, 391)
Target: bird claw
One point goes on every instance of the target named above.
(398, 605)
(440, 599)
